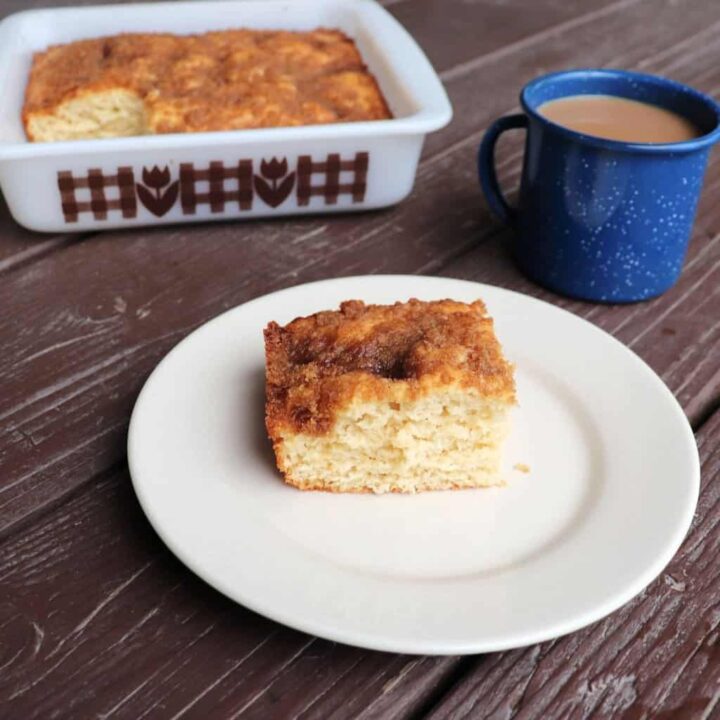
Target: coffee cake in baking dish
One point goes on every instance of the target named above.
(389, 398)
(136, 84)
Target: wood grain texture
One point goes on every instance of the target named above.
(657, 658)
(97, 619)
(483, 28)
(19, 246)
(78, 362)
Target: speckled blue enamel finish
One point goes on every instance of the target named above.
(599, 219)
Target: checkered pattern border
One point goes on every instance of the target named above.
(98, 204)
(218, 195)
(217, 186)
(331, 186)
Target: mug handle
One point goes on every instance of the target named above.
(486, 166)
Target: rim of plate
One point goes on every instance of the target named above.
(430, 647)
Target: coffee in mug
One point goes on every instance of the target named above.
(618, 118)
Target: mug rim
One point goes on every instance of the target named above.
(683, 146)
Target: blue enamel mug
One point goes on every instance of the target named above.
(601, 219)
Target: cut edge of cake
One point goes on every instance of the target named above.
(447, 440)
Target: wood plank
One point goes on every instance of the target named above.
(76, 365)
(657, 657)
(328, 681)
(475, 30)
(98, 619)
(19, 246)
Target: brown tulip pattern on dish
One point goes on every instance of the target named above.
(273, 183)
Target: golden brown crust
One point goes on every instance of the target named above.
(317, 364)
(215, 81)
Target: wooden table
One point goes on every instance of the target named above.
(99, 620)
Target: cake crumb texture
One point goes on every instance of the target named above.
(135, 84)
(398, 398)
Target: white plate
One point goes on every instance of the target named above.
(613, 483)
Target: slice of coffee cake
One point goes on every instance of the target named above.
(388, 398)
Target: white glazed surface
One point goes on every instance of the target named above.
(613, 483)
(29, 171)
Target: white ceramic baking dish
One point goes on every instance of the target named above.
(153, 179)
